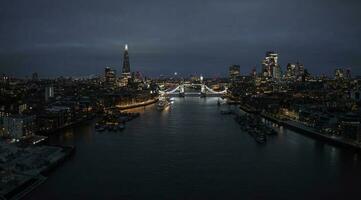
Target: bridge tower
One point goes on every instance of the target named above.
(203, 90)
(181, 91)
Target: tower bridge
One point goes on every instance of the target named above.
(205, 90)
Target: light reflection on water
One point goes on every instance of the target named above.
(191, 151)
(141, 109)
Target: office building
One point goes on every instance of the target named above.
(110, 76)
(339, 73)
(234, 72)
(270, 66)
(49, 93)
(18, 126)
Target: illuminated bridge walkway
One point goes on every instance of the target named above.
(205, 91)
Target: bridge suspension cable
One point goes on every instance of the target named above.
(215, 92)
(182, 85)
(171, 91)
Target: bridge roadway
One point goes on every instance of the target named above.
(204, 90)
(193, 94)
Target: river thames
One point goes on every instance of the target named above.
(191, 151)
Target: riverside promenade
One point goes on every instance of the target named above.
(306, 130)
(138, 104)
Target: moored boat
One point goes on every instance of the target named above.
(260, 138)
(162, 104)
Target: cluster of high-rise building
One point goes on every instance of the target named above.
(327, 105)
(126, 76)
(52, 104)
(341, 73)
(272, 70)
(295, 71)
(270, 66)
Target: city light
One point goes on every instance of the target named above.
(180, 100)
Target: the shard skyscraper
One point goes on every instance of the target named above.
(126, 64)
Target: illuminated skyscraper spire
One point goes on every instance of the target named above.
(126, 64)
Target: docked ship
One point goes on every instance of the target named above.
(162, 104)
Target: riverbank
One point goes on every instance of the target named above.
(166, 155)
(67, 125)
(31, 168)
(139, 104)
(305, 130)
(337, 141)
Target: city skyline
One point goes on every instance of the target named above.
(166, 99)
(167, 37)
(282, 71)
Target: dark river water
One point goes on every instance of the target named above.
(191, 151)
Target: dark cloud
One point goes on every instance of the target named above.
(80, 37)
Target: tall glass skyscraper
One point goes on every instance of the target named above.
(270, 66)
(126, 64)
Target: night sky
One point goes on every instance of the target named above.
(81, 37)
